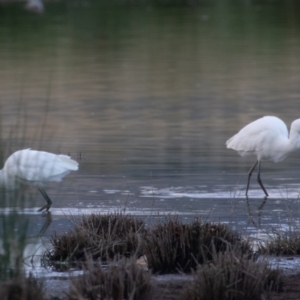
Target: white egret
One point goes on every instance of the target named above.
(32, 167)
(268, 139)
(36, 6)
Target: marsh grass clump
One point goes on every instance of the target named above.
(101, 237)
(232, 276)
(282, 244)
(21, 288)
(173, 246)
(120, 280)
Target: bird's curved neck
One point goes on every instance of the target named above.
(294, 141)
(2, 179)
(285, 146)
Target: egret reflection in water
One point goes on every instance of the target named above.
(20, 250)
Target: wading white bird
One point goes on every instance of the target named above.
(268, 139)
(30, 167)
(36, 6)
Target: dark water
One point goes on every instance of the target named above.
(144, 97)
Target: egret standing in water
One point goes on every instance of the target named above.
(268, 139)
(32, 167)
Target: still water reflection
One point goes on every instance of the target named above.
(144, 97)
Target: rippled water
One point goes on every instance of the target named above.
(144, 97)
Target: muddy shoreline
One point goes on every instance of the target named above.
(170, 287)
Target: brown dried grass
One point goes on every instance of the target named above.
(232, 276)
(120, 280)
(173, 246)
(21, 288)
(99, 236)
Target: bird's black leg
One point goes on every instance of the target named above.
(249, 176)
(260, 182)
(47, 198)
(47, 223)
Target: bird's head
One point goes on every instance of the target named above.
(295, 127)
(295, 134)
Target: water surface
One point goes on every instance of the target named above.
(144, 97)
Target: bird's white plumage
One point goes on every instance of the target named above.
(35, 168)
(268, 139)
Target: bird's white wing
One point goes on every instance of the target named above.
(256, 135)
(39, 166)
(68, 163)
(244, 143)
